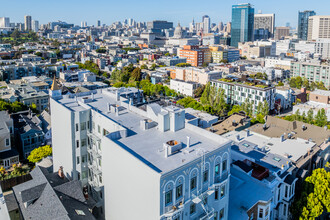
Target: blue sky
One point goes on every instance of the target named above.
(108, 11)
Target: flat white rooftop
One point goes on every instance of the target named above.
(147, 145)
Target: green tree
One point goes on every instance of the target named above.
(321, 118)
(144, 66)
(235, 109)
(260, 108)
(33, 108)
(39, 153)
(16, 34)
(314, 199)
(135, 75)
(153, 66)
(183, 64)
(265, 108)
(280, 83)
(199, 91)
(101, 50)
(310, 116)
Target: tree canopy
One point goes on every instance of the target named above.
(299, 82)
(314, 198)
(183, 64)
(12, 107)
(39, 153)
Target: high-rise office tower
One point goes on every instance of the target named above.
(303, 17)
(228, 27)
(98, 23)
(4, 22)
(206, 24)
(264, 26)
(35, 26)
(84, 24)
(28, 22)
(318, 27)
(130, 22)
(220, 26)
(242, 23)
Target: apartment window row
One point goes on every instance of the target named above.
(83, 126)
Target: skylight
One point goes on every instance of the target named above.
(79, 212)
(277, 159)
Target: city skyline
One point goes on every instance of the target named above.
(183, 13)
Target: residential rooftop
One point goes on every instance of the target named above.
(148, 145)
(276, 127)
(245, 192)
(321, 92)
(290, 148)
(48, 196)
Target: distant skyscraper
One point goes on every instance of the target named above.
(318, 27)
(281, 32)
(84, 24)
(228, 27)
(99, 23)
(220, 26)
(288, 24)
(206, 24)
(4, 22)
(130, 22)
(35, 26)
(264, 26)
(242, 23)
(192, 26)
(303, 17)
(20, 26)
(28, 22)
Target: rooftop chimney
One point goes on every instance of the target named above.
(188, 141)
(60, 172)
(117, 111)
(166, 150)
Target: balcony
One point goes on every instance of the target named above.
(218, 180)
(94, 151)
(94, 183)
(171, 211)
(93, 136)
(95, 169)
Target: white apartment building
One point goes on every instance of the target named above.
(322, 48)
(305, 46)
(282, 46)
(278, 62)
(140, 163)
(318, 27)
(183, 87)
(238, 90)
